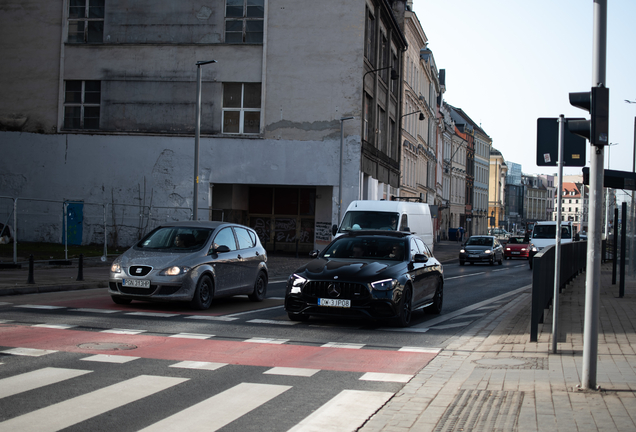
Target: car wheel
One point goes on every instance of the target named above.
(297, 317)
(404, 312)
(260, 288)
(492, 261)
(438, 299)
(121, 300)
(501, 261)
(203, 294)
(461, 263)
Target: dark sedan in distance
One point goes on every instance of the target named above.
(368, 274)
(481, 249)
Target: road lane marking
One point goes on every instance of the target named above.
(254, 311)
(38, 378)
(55, 326)
(192, 336)
(123, 331)
(421, 350)
(344, 412)
(40, 307)
(214, 413)
(448, 326)
(266, 340)
(342, 345)
(152, 314)
(386, 377)
(464, 276)
(291, 371)
(91, 310)
(200, 365)
(29, 352)
(210, 318)
(106, 358)
(72, 411)
(277, 322)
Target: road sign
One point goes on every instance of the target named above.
(548, 145)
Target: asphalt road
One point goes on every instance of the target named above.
(239, 366)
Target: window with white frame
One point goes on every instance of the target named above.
(85, 21)
(244, 21)
(82, 104)
(241, 108)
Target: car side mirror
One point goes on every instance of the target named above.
(314, 253)
(406, 229)
(221, 249)
(420, 258)
(334, 229)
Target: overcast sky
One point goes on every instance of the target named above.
(510, 62)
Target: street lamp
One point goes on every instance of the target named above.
(394, 74)
(342, 120)
(197, 136)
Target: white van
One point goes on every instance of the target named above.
(544, 233)
(385, 215)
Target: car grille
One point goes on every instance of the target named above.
(328, 289)
(139, 270)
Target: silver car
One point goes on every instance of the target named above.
(192, 262)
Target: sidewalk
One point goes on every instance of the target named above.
(51, 278)
(492, 378)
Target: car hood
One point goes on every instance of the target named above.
(350, 270)
(154, 259)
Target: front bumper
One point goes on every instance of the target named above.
(476, 258)
(162, 288)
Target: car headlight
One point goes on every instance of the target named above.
(384, 285)
(174, 271)
(523, 249)
(509, 249)
(487, 251)
(116, 267)
(462, 251)
(297, 282)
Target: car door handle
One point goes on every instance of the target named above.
(239, 257)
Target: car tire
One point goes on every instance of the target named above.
(501, 261)
(492, 261)
(297, 317)
(461, 263)
(438, 300)
(121, 300)
(404, 308)
(203, 294)
(260, 288)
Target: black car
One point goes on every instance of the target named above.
(372, 274)
(486, 249)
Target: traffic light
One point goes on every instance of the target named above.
(597, 103)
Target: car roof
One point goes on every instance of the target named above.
(198, 224)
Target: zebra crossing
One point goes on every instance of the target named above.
(106, 403)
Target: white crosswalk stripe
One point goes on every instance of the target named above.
(38, 378)
(64, 414)
(221, 409)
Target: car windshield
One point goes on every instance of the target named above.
(175, 239)
(549, 232)
(479, 241)
(515, 240)
(367, 248)
(370, 220)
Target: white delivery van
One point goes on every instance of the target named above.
(388, 215)
(544, 233)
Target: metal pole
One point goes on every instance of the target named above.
(105, 233)
(632, 215)
(593, 273)
(557, 245)
(197, 136)
(615, 246)
(15, 231)
(621, 285)
(65, 230)
(342, 120)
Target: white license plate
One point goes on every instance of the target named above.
(334, 303)
(516, 253)
(137, 283)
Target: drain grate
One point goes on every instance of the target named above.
(482, 410)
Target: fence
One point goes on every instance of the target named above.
(82, 223)
(573, 261)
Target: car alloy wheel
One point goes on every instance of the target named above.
(404, 317)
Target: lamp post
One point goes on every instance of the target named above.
(607, 210)
(342, 120)
(197, 136)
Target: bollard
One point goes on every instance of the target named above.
(80, 268)
(30, 279)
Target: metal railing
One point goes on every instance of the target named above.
(573, 261)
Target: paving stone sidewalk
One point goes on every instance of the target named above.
(492, 378)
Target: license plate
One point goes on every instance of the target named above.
(137, 283)
(474, 255)
(516, 253)
(334, 303)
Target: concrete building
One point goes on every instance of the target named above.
(98, 103)
(496, 189)
(551, 184)
(535, 198)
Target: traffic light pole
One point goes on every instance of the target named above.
(593, 272)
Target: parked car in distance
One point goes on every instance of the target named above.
(192, 262)
(368, 274)
(481, 249)
(500, 234)
(516, 247)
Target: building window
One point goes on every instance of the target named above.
(86, 21)
(244, 21)
(369, 46)
(81, 104)
(241, 108)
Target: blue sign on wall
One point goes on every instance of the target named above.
(74, 222)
